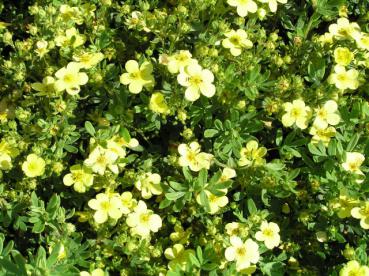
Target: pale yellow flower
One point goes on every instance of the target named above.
(143, 220)
(105, 206)
(41, 48)
(269, 234)
(71, 13)
(33, 166)
(344, 29)
(95, 272)
(100, 159)
(327, 115)
(322, 134)
(178, 256)
(243, 6)
(353, 162)
(273, 4)
(343, 56)
(215, 202)
(46, 87)
(137, 77)
(236, 41)
(296, 113)
(80, 177)
(243, 253)
(70, 79)
(353, 268)
(252, 155)
(362, 213)
(128, 202)
(197, 81)
(363, 41)
(5, 161)
(88, 60)
(158, 104)
(343, 79)
(71, 37)
(227, 174)
(193, 157)
(149, 184)
(344, 204)
(179, 61)
(233, 228)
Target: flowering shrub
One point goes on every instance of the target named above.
(212, 137)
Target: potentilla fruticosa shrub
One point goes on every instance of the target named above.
(184, 137)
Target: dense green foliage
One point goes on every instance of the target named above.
(184, 137)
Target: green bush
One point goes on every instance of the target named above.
(184, 137)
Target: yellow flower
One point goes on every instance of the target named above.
(95, 272)
(132, 143)
(327, 115)
(344, 204)
(353, 268)
(269, 234)
(326, 38)
(344, 79)
(322, 134)
(71, 13)
(180, 235)
(233, 228)
(143, 220)
(70, 38)
(106, 206)
(137, 76)
(243, 6)
(215, 202)
(80, 177)
(363, 41)
(192, 157)
(149, 184)
(8, 149)
(252, 155)
(227, 174)
(196, 80)
(61, 254)
(296, 113)
(343, 56)
(353, 162)
(41, 48)
(5, 161)
(179, 61)
(158, 104)
(128, 202)
(244, 254)
(344, 29)
(178, 256)
(236, 41)
(88, 60)
(100, 159)
(273, 4)
(46, 88)
(70, 79)
(362, 213)
(33, 166)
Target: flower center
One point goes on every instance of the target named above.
(235, 40)
(195, 80)
(295, 112)
(144, 218)
(241, 251)
(105, 205)
(268, 233)
(69, 79)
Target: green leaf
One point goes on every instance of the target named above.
(90, 128)
(174, 196)
(209, 133)
(251, 206)
(194, 260)
(354, 140)
(125, 134)
(204, 201)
